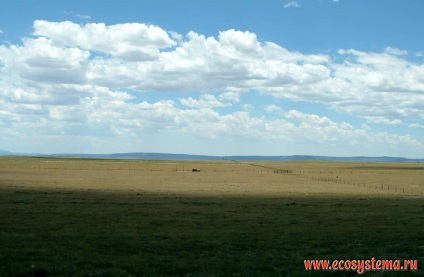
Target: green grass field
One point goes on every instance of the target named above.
(80, 217)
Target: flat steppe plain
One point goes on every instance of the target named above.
(88, 217)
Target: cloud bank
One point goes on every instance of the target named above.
(87, 80)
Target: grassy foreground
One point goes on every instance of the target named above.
(110, 218)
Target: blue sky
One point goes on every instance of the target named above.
(319, 77)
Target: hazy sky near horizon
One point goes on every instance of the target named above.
(252, 77)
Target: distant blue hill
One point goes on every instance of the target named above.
(147, 156)
(170, 156)
(324, 158)
(8, 153)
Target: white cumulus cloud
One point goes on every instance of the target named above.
(129, 41)
(83, 16)
(272, 108)
(205, 101)
(72, 79)
(395, 51)
(292, 4)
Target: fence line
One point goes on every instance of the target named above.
(337, 180)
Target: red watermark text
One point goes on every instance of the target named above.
(360, 266)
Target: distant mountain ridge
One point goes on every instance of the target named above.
(171, 156)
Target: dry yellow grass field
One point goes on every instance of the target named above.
(216, 177)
